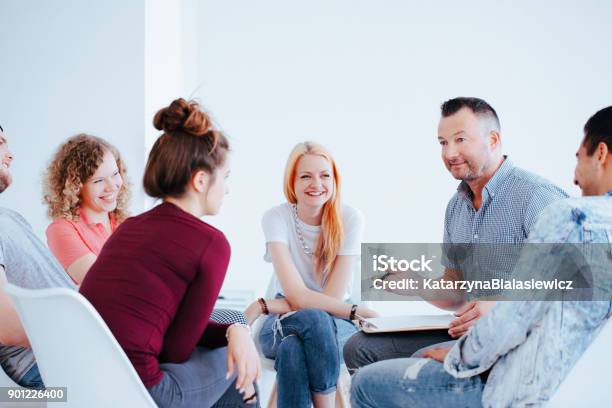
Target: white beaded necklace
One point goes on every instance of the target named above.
(305, 247)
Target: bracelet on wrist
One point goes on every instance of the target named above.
(353, 312)
(246, 326)
(264, 306)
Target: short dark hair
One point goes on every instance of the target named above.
(598, 129)
(478, 106)
(1, 130)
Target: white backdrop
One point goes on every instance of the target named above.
(367, 78)
(364, 78)
(68, 67)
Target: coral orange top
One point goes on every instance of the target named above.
(70, 240)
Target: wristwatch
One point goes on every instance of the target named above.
(246, 326)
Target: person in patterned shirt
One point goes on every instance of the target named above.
(526, 347)
(496, 203)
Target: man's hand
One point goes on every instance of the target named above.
(468, 315)
(438, 354)
(241, 352)
(366, 312)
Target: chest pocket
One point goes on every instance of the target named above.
(597, 248)
(597, 233)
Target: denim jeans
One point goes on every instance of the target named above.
(363, 349)
(199, 382)
(306, 346)
(32, 379)
(415, 383)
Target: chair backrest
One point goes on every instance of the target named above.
(75, 349)
(587, 384)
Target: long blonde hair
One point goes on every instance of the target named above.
(332, 231)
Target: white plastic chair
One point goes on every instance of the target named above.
(75, 349)
(588, 384)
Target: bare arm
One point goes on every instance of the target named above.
(70, 249)
(11, 330)
(299, 295)
(340, 277)
(335, 287)
(275, 306)
(79, 268)
(452, 300)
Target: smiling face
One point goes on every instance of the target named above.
(99, 192)
(468, 144)
(314, 181)
(6, 158)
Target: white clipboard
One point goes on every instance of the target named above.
(404, 323)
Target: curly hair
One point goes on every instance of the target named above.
(74, 162)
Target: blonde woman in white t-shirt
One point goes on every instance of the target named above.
(314, 244)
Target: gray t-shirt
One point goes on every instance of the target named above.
(28, 263)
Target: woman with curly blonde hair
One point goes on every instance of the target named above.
(85, 190)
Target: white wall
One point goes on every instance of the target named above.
(364, 78)
(69, 67)
(367, 78)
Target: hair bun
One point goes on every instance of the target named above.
(183, 116)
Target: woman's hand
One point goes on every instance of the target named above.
(241, 352)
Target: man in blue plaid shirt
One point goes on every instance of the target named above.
(495, 203)
(528, 346)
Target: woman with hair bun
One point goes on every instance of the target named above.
(158, 276)
(313, 241)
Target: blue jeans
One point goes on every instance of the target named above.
(415, 383)
(32, 379)
(307, 349)
(363, 349)
(199, 382)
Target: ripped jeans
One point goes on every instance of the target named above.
(413, 382)
(307, 348)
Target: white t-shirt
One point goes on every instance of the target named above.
(279, 226)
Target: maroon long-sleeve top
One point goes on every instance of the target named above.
(155, 283)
